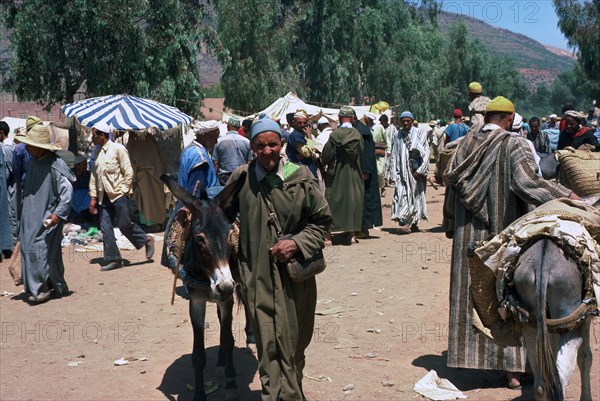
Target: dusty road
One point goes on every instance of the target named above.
(382, 324)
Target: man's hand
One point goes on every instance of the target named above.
(574, 196)
(365, 176)
(92, 207)
(284, 249)
(54, 220)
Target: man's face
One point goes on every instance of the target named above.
(300, 123)
(368, 122)
(534, 126)
(571, 125)
(406, 123)
(97, 137)
(208, 139)
(508, 122)
(35, 151)
(267, 147)
(81, 167)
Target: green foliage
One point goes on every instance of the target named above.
(571, 87)
(145, 48)
(469, 60)
(579, 21)
(213, 91)
(329, 51)
(342, 51)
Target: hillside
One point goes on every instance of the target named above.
(534, 61)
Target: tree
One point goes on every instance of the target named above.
(145, 48)
(469, 60)
(253, 45)
(579, 21)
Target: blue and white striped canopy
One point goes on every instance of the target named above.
(124, 112)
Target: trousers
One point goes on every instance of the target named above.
(116, 214)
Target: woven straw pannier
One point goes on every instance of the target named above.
(483, 291)
(176, 238)
(579, 170)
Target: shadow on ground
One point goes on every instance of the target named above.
(473, 379)
(179, 376)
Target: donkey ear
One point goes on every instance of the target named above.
(228, 200)
(180, 193)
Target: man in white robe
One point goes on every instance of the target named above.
(409, 163)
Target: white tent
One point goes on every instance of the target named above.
(291, 103)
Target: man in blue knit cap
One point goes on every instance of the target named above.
(283, 311)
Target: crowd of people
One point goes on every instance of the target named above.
(322, 181)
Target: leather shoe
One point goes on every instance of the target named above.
(115, 264)
(150, 247)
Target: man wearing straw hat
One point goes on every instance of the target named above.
(110, 186)
(47, 202)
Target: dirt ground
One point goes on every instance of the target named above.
(381, 325)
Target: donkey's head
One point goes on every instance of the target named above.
(210, 231)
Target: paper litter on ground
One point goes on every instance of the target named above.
(431, 386)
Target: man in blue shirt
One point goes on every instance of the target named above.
(232, 150)
(456, 130)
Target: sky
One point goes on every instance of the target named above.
(534, 18)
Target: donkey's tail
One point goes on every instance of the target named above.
(545, 357)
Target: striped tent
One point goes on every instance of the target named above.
(124, 112)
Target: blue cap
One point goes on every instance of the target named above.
(264, 124)
(407, 114)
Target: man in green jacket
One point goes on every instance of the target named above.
(282, 311)
(345, 184)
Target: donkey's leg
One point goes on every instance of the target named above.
(197, 317)
(584, 360)
(530, 341)
(225, 313)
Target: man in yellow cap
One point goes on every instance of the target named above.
(477, 105)
(491, 181)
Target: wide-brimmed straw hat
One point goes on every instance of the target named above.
(38, 136)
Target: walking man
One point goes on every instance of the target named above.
(344, 178)
(409, 163)
(491, 180)
(46, 203)
(110, 187)
(282, 311)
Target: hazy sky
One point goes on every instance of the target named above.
(536, 19)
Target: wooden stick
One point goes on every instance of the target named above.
(174, 287)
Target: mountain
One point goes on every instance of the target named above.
(535, 62)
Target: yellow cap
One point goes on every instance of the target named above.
(500, 104)
(475, 87)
